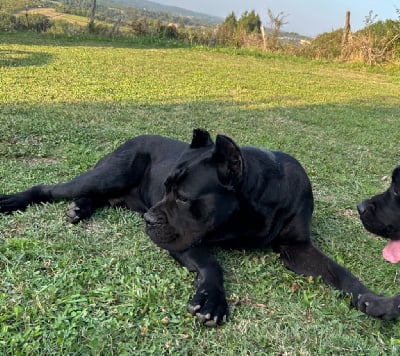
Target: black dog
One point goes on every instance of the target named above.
(200, 194)
(381, 216)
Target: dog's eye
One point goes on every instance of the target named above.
(181, 198)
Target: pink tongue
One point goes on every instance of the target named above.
(391, 252)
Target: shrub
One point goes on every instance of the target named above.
(325, 46)
(35, 22)
(169, 32)
(7, 21)
(377, 43)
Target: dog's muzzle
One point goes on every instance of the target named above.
(362, 207)
(163, 234)
(152, 219)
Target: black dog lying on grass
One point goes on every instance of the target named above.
(205, 193)
(381, 216)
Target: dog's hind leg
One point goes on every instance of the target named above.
(95, 183)
(112, 177)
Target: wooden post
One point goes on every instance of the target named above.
(92, 15)
(214, 37)
(346, 37)
(264, 37)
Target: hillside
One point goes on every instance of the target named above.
(155, 7)
(111, 10)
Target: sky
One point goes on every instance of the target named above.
(307, 17)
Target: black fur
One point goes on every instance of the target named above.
(197, 195)
(380, 214)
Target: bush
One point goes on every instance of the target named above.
(169, 32)
(325, 46)
(7, 21)
(376, 43)
(66, 28)
(35, 22)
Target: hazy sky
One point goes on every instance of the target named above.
(307, 17)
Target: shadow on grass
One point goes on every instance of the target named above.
(312, 133)
(17, 58)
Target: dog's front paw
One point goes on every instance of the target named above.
(73, 213)
(209, 305)
(379, 307)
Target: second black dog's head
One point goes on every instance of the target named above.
(381, 213)
(200, 193)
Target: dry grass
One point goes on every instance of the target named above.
(53, 14)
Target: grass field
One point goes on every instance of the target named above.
(101, 287)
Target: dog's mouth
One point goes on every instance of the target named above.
(164, 236)
(391, 251)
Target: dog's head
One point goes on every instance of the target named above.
(381, 215)
(200, 193)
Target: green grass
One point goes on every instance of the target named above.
(101, 287)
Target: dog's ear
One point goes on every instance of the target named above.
(396, 180)
(201, 138)
(229, 161)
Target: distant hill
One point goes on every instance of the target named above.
(177, 11)
(153, 6)
(144, 8)
(134, 10)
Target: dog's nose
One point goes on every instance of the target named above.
(149, 217)
(362, 207)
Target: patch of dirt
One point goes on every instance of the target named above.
(55, 15)
(31, 161)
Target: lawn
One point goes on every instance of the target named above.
(101, 287)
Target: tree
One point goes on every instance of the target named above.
(275, 23)
(230, 23)
(250, 22)
(225, 34)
